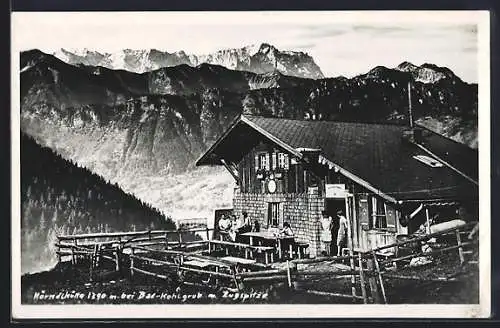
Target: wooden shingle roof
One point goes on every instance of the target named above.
(376, 153)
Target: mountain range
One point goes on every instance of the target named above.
(263, 58)
(144, 131)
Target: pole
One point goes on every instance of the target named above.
(409, 105)
(351, 249)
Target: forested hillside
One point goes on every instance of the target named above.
(58, 197)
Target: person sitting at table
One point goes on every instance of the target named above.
(256, 226)
(287, 230)
(241, 226)
(247, 226)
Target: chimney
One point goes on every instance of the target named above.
(412, 135)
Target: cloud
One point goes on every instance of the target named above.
(318, 31)
(374, 29)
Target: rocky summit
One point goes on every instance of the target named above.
(261, 58)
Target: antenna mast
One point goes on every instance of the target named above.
(409, 105)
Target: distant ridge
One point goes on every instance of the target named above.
(261, 58)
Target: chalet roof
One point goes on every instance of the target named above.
(375, 154)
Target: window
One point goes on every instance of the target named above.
(273, 160)
(428, 160)
(273, 215)
(283, 162)
(264, 161)
(378, 214)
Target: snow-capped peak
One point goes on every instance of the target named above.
(257, 58)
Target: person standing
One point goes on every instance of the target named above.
(326, 233)
(224, 227)
(341, 232)
(235, 226)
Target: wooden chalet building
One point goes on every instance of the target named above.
(389, 179)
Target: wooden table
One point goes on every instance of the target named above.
(267, 235)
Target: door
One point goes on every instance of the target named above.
(345, 204)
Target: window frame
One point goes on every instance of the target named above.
(378, 214)
(270, 206)
(283, 161)
(264, 161)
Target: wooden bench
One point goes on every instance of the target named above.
(301, 249)
(249, 249)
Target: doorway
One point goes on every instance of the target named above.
(332, 205)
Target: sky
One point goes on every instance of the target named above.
(341, 43)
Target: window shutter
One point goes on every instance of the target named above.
(267, 162)
(256, 163)
(267, 215)
(364, 215)
(287, 162)
(390, 214)
(273, 157)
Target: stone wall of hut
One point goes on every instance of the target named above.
(302, 211)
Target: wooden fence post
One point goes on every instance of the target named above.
(353, 277)
(288, 274)
(132, 261)
(117, 259)
(73, 260)
(362, 279)
(58, 252)
(460, 248)
(381, 280)
(238, 286)
(372, 281)
(92, 262)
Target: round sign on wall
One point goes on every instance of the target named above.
(271, 186)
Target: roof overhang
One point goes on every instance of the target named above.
(242, 132)
(213, 157)
(353, 177)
